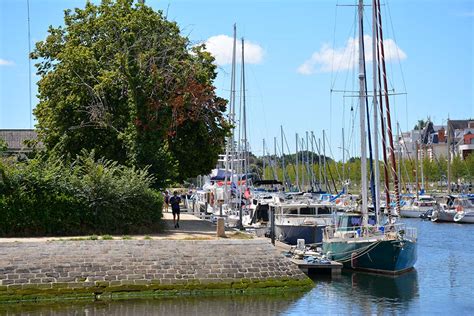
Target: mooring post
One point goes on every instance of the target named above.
(272, 225)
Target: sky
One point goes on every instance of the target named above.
(296, 53)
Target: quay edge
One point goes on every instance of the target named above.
(120, 269)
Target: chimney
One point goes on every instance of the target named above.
(441, 135)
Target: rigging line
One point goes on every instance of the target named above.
(399, 62)
(350, 61)
(335, 167)
(333, 44)
(338, 68)
(289, 154)
(29, 61)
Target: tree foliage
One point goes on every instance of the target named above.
(121, 79)
(48, 196)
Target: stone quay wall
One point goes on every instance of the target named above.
(102, 269)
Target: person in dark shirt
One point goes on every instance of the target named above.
(174, 201)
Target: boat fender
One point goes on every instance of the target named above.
(459, 208)
(346, 203)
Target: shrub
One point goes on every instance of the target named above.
(47, 196)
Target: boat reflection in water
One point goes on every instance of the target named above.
(401, 288)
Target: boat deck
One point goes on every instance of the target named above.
(334, 268)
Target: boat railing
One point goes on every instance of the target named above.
(389, 231)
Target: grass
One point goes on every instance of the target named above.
(147, 237)
(126, 237)
(107, 237)
(240, 235)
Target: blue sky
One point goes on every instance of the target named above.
(291, 47)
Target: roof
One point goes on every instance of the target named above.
(15, 138)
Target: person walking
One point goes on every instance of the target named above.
(174, 201)
(167, 200)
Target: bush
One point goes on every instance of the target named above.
(47, 196)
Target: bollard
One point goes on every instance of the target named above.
(220, 227)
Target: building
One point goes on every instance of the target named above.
(432, 141)
(16, 140)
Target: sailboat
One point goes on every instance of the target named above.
(361, 239)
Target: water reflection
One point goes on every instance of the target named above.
(228, 305)
(401, 288)
(359, 293)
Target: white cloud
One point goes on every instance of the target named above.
(328, 59)
(4, 62)
(220, 46)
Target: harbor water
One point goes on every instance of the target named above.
(442, 282)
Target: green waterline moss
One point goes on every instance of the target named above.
(58, 292)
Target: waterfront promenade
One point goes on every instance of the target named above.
(188, 261)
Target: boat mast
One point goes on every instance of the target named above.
(422, 157)
(275, 157)
(326, 184)
(389, 120)
(382, 120)
(449, 156)
(375, 113)
(302, 165)
(244, 128)
(343, 161)
(307, 160)
(230, 144)
(297, 165)
(283, 156)
(263, 171)
(362, 98)
(416, 170)
(399, 152)
(312, 162)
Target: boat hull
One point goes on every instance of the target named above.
(414, 213)
(291, 233)
(381, 256)
(443, 216)
(465, 217)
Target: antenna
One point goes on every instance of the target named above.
(29, 60)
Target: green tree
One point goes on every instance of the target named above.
(120, 79)
(420, 125)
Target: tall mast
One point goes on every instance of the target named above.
(302, 165)
(319, 164)
(416, 170)
(362, 99)
(399, 152)
(422, 157)
(343, 159)
(326, 184)
(297, 165)
(375, 112)
(275, 156)
(382, 121)
(283, 156)
(448, 128)
(308, 171)
(230, 141)
(389, 120)
(263, 173)
(244, 119)
(312, 161)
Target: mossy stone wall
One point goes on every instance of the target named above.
(113, 268)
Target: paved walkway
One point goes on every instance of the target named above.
(190, 228)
